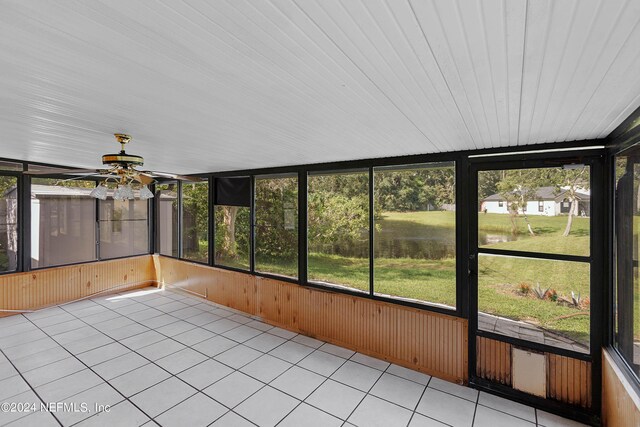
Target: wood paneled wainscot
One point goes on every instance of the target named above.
(41, 288)
(620, 403)
(430, 342)
(568, 379)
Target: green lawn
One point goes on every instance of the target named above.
(433, 281)
(548, 233)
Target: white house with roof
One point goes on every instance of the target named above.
(548, 201)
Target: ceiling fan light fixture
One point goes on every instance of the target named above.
(123, 192)
(100, 192)
(145, 193)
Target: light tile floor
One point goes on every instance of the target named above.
(166, 358)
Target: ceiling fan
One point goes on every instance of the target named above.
(121, 170)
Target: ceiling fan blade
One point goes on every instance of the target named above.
(175, 176)
(61, 171)
(144, 178)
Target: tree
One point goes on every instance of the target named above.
(518, 187)
(570, 180)
(419, 189)
(277, 219)
(488, 183)
(338, 209)
(195, 201)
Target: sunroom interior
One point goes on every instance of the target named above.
(347, 213)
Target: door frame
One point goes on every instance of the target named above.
(598, 249)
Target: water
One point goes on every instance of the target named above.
(403, 239)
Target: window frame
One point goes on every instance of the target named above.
(595, 257)
(210, 213)
(256, 178)
(618, 357)
(27, 263)
(395, 298)
(461, 166)
(212, 217)
(19, 219)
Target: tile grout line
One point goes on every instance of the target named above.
(133, 351)
(175, 375)
(297, 364)
(196, 326)
(150, 362)
(415, 409)
(475, 409)
(87, 366)
(212, 357)
(32, 389)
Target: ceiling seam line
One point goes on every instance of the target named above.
(524, 56)
(560, 63)
(475, 74)
(357, 94)
(415, 53)
(540, 69)
(613, 107)
(402, 64)
(575, 70)
(605, 74)
(634, 104)
(256, 51)
(491, 73)
(424, 35)
(364, 74)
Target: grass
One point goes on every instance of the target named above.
(498, 292)
(434, 281)
(548, 234)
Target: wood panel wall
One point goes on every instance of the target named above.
(568, 379)
(493, 360)
(41, 288)
(620, 403)
(429, 342)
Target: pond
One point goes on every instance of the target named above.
(406, 239)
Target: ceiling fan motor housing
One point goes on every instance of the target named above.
(122, 158)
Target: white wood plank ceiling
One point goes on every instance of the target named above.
(210, 85)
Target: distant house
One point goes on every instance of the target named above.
(548, 202)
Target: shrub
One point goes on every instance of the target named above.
(538, 292)
(552, 295)
(524, 288)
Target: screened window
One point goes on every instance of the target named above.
(520, 294)
(166, 199)
(415, 233)
(8, 223)
(195, 221)
(124, 227)
(338, 229)
(232, 218)
(276, 231)
(63, 222)
(626, 301)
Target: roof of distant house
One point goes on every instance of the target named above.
(546, 193)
